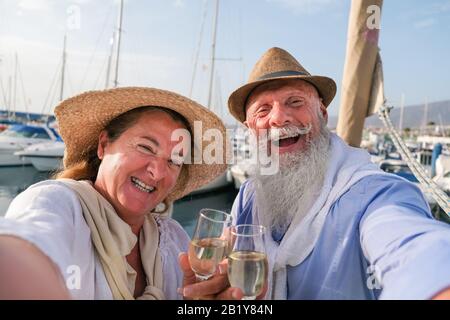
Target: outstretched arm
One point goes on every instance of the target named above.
(406, 246)
(26, 273)
(443, 295)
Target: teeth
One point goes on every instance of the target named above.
(285, 137)
(141, 185)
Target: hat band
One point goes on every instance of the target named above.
(282, 74)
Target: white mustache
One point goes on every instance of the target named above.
(288, 132)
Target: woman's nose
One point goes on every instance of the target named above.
(157, 169)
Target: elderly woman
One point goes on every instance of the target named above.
(100, 230)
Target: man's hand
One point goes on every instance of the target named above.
(216, 287)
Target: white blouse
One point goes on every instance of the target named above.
(48, 214)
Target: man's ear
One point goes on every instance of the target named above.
(102, 143)
(324, 111)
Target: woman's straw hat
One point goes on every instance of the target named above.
(83, 117)
(278, 64)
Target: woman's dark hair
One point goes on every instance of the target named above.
(87, 168)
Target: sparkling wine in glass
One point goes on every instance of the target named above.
(247, 262)
(209, 243)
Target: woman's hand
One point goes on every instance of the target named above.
(27, 273)
(217, 287)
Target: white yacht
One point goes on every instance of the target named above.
(46, 156)
(18, 137)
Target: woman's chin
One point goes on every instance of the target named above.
(138, 205)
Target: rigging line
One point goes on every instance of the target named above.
(241, 55)
(213, 53)
(404, 149)
(69, 82)
(52, 84)
(97, 43)
(197, 53)
(54, 100)
(3, 93)
(24, 95)
(430, 186)
(100, 74)
(219, 102)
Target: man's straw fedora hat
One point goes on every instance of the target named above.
(276, 64)
(83, 117)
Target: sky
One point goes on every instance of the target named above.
(161, 38)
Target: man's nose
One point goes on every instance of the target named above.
(279, 116)
(157, 168)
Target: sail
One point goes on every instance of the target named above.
(362, 85)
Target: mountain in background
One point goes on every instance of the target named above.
(413, 116)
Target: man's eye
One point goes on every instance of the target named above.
(262, 110)
(295, 102)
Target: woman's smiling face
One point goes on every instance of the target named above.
(138, 170)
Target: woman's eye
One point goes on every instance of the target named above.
(146, 149)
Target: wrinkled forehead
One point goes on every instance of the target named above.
(279, 86)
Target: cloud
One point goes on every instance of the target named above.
(305, 6)
(441, 7)
(35, 5)
(179, 4)
(425, 23)
(40, 65)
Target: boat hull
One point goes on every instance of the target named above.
(9, 159)
(44, 163)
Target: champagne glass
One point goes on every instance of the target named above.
(247, 262)
(210, 242)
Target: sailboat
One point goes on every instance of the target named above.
(48, 156)
(225, 179)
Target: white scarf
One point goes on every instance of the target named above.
(347, 165)
(114, 240)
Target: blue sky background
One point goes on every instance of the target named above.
(160, 39)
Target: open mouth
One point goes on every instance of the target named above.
(286, 142)
(142, 185)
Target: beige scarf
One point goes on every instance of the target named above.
(114, 240)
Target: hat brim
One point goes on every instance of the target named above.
(83, 117)
(325, 86)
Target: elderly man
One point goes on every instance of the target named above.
(339, 228)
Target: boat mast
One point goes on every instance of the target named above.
(9, 96)
(402, 106)
(119, 32)
(4, 95)
(14, 101)
(425, 116)
(108, 70)
(63, 69)
(197, 53)
(213, 47)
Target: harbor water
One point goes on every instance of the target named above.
(14, 180)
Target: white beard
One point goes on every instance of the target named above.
(291, 191)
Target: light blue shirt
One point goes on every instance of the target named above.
(379, 240)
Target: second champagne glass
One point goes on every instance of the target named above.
(247, 262)
(210, 242)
